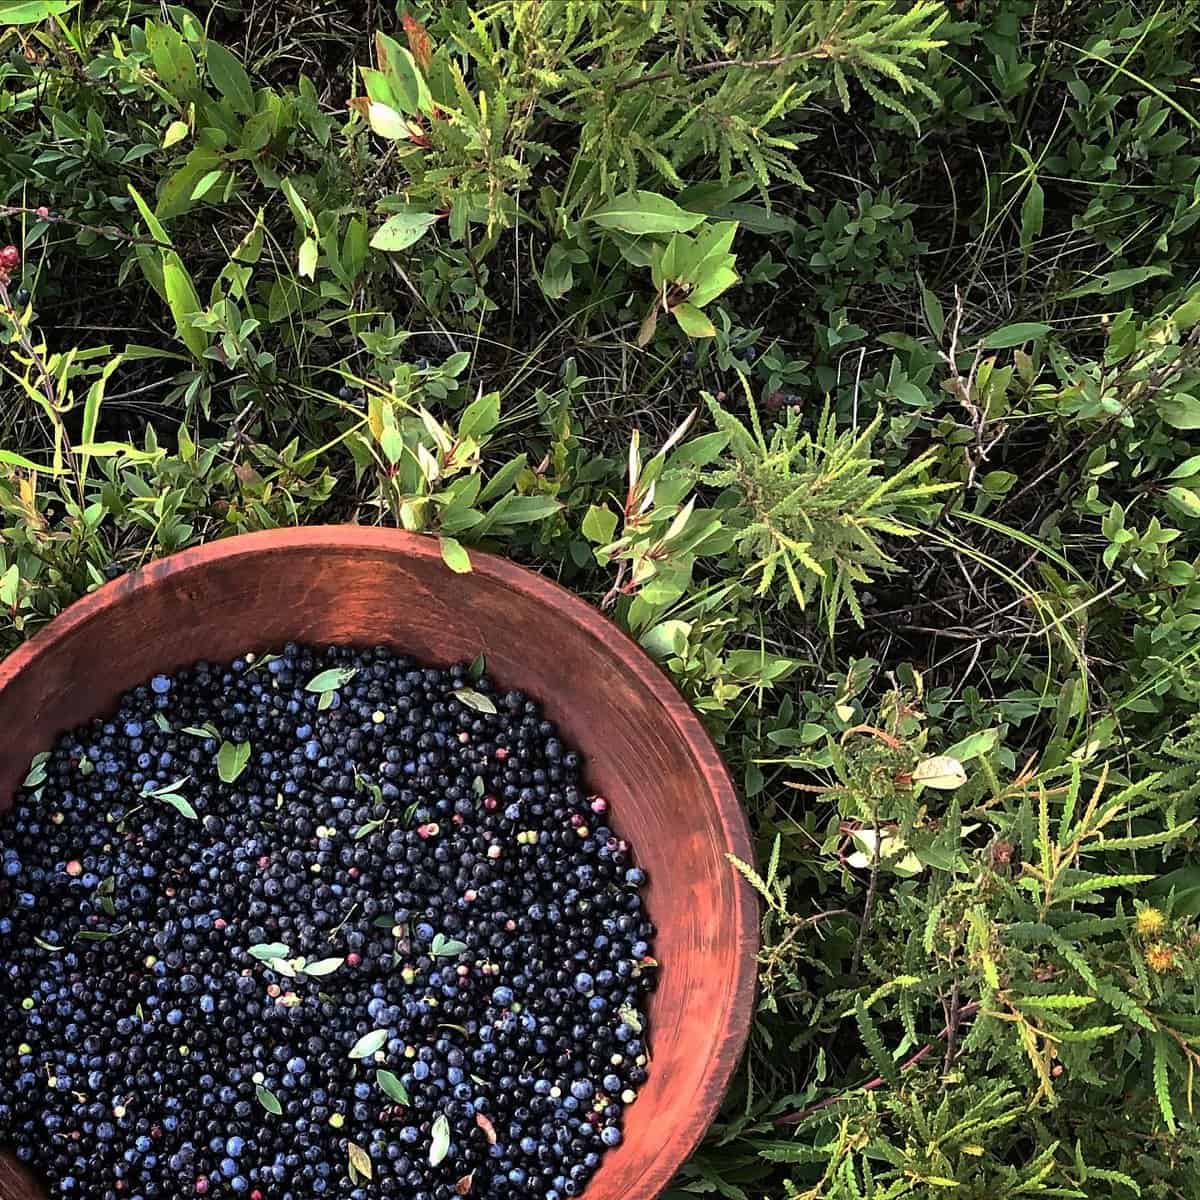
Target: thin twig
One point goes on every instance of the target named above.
(872, 888)
(106, 231)
(794, 1118)
(29, 348)
(759, 64)
(951, 1030)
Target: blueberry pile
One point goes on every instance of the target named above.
(324, 922)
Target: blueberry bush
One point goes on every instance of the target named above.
(846, 352)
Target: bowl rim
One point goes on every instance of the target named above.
(727, 1051)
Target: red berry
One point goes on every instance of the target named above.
(43, 212)
(10, 257)
(201, 1184)
(353, 960)
(74, 868)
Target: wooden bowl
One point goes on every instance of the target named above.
(645, 751)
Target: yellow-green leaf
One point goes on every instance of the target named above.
(369, 1043)
(152, 222)
(183, 303)
(402, 230)
(644, 212)
(308, 258)
(28, 12)
(693, 322)
(455, 556)
(386, 121)
(1185, 499)
(942, 772)
(11, 459)
(360, 1160)
(439, 1146)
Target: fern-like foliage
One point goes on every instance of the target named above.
(1178, 762)
(735, 76)
(814, 506)
(654, 88)
(1014, 935)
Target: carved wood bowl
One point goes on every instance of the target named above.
(644, 748)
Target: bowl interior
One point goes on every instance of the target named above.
(644, 748)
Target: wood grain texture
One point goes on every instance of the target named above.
(645, 750)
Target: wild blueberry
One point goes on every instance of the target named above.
(495, 937)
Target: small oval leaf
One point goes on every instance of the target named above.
(328, 681)
(265, 951)
(403, 230)
(268, 1100)
(369, 1043)
(439, 1147)
(181, 806)
(392, 1086)
(942, 772)
(360, 1160)
(476, 700)
(232, 760)
(325, 966)
(455, 556)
